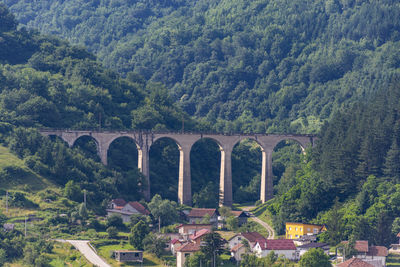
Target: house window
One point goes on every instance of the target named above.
(301, 229)
(136, 255)
(308, 229)
(239, 238)
(315, 231)
(290, 236)
(187, 255)
(290, 228)
(295, 229)
(297, 236)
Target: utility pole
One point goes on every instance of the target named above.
(84, 197)
(7, 201)
(25, 226)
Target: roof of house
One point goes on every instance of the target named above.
(320, 225)
(360, 245)
(237, 247)
(139, 207)
(119, 202)
(197, 212)
(313, 245)
(280, 244)
(276, 244)
(377, 251)
(189, 247)
(354, 262)
(199, 234)
(253, 236)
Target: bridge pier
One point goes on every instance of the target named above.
(267, 186)
(185, 181)
(143, 166)
(225, 179)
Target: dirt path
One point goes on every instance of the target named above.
(88, 252)
(271, 232)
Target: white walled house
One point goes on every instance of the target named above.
(281, 247)
(126, 210)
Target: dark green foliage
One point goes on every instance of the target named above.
(116, 221)
(154, 244)
(315, 257)
(138, 235)
(245, 66)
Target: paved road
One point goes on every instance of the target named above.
(271, 232)
(87, 251)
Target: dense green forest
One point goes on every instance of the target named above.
(45, 82)
(355, 170)
(265, 65)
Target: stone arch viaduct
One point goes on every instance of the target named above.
(185, 141)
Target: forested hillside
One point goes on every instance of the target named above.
(265, 65)
(45, 82)
(355, 170)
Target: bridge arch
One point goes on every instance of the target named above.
(206, 151)
(130, 152)
(243, 181)
(89, 144)
(168, 170)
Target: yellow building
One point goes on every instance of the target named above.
(296, 230)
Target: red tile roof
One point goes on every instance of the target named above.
(355, 262)
(361, 246)
(199, 234)
(196, 212)
(253, 236)
(280, 244)
(189, 247)
(377, 251)
(139, 207)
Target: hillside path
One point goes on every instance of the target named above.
(88, 252)
(271, 232)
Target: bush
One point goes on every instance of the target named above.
(112, 232)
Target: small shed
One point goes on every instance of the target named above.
(128, 255)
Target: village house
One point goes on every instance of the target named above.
(374, 255)
(238, 251)
(296, 230)
(251, 237)
(189, 229)
(185, 251)
(281, 247)
(306, 247)
(197, 215)
(197, 237)
(128, 255)
(176, 243)
(126, 209)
